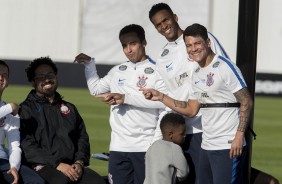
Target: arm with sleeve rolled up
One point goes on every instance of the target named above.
(188, 108)
(244, 98)
(140, 101)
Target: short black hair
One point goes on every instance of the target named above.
(196, 30)
(158, 7)
(133, 28)
(5, 64)
(30, 70)
(171, 120)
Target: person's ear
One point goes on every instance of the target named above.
(209, 42)
(144, 43)
(175, 17)
(170, 134)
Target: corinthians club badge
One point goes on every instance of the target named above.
(142, 82)
(210, 79)
(64, 109)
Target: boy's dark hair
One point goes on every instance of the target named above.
(196, 30)
(133, 28)
(158, 7)
(30, 70)
(171, 120)
(5, 64)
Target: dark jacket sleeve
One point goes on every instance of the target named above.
(83, 146)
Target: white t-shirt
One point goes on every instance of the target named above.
(217, 83)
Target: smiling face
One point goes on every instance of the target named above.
(4, 76)
(198, 49)
(45, 81)
(133, 48)
(166, 24)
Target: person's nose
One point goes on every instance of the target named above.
(194, 48)
(163, 25)
(128, 49)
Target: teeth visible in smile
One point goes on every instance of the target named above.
(47, 86)
(167, 31)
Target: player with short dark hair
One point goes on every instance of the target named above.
(133, 119)
(225, 104)
(175, 67)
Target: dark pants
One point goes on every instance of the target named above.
(126, 167)
(192, 148)
(216, 167)
(26, 175)
(52, 175)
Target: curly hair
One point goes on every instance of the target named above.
(30, 70)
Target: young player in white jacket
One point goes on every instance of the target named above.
(133, 119)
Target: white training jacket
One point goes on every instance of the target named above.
(9, 127)
(133, 123)
(176, 70)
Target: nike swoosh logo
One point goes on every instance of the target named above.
(120, 80)
(196, 82)
(167, 66)
(38, 109)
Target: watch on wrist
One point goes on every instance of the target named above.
(80, 162)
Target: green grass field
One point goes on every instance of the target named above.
(267, 148)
